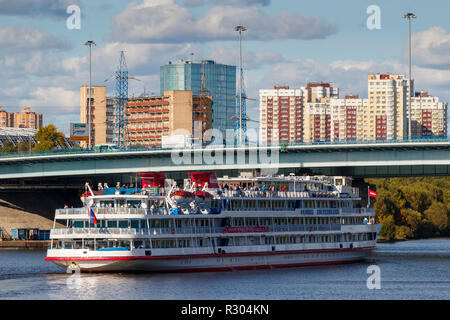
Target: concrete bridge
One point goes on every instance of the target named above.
(396, 159)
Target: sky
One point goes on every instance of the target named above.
(43, 59)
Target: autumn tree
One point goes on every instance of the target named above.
(49, 138)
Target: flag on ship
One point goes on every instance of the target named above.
(92, 217)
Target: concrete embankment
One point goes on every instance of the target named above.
(24, 244)
(31, 209)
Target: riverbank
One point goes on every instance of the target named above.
(32, 209)
(24, 244)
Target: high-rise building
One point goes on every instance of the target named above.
(98, 113)
(347, 118)
(429, 115)
(219, 80)
(27, 119)
(281, 115)
(387, 106)
(315, 113)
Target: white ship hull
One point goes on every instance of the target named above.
(212, 262)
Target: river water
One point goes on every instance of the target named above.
(418, 269)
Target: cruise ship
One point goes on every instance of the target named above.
(214, 224)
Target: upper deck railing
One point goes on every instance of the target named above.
(67, 212)
(279, 194)
(363, 141)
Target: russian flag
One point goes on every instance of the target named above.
(92, 217)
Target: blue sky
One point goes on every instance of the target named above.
(44, 63)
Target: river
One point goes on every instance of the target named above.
(417, 269)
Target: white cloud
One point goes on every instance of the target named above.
(15, 39)
(251, 59)
(430, 48)
(164, 21)
(36, 8)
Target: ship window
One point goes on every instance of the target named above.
(123, 224)
(112, 224)
(138, 244)
(78, 224)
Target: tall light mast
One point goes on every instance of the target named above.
(90, 43)
(409, 16)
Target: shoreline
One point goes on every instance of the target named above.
(24, 244)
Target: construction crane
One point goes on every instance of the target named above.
(120, 133)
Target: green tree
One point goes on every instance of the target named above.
(437, 215)
(8, 146)
(388, 228)
(48, 138)
(25, 146)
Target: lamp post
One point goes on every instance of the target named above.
(89, 44)
(240, 29)
(409, 16)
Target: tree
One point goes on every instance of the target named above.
(437, 215)
(388, 228)
(25, 146)
(8, 146)
(49, 138)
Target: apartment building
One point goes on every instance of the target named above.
(281, 115)
(348, 116)
(151, 118)
(387, 106)
(429, 115)
(320, 91)
(98, 113)
(23, 119)
(6, 119)
(315, 113)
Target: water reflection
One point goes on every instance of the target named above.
(409, 270)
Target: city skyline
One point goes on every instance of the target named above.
(286, 43)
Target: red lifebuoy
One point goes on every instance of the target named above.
(310, 228)
(173, 231)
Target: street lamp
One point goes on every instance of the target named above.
(89, 44)
(240, 29)
(409, 16)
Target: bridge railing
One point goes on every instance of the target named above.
(369, 141)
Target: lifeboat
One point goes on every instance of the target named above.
(182, 197)
(87, 194)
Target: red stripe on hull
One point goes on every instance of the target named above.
(204, 255)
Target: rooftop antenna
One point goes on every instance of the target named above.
(240, 29)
